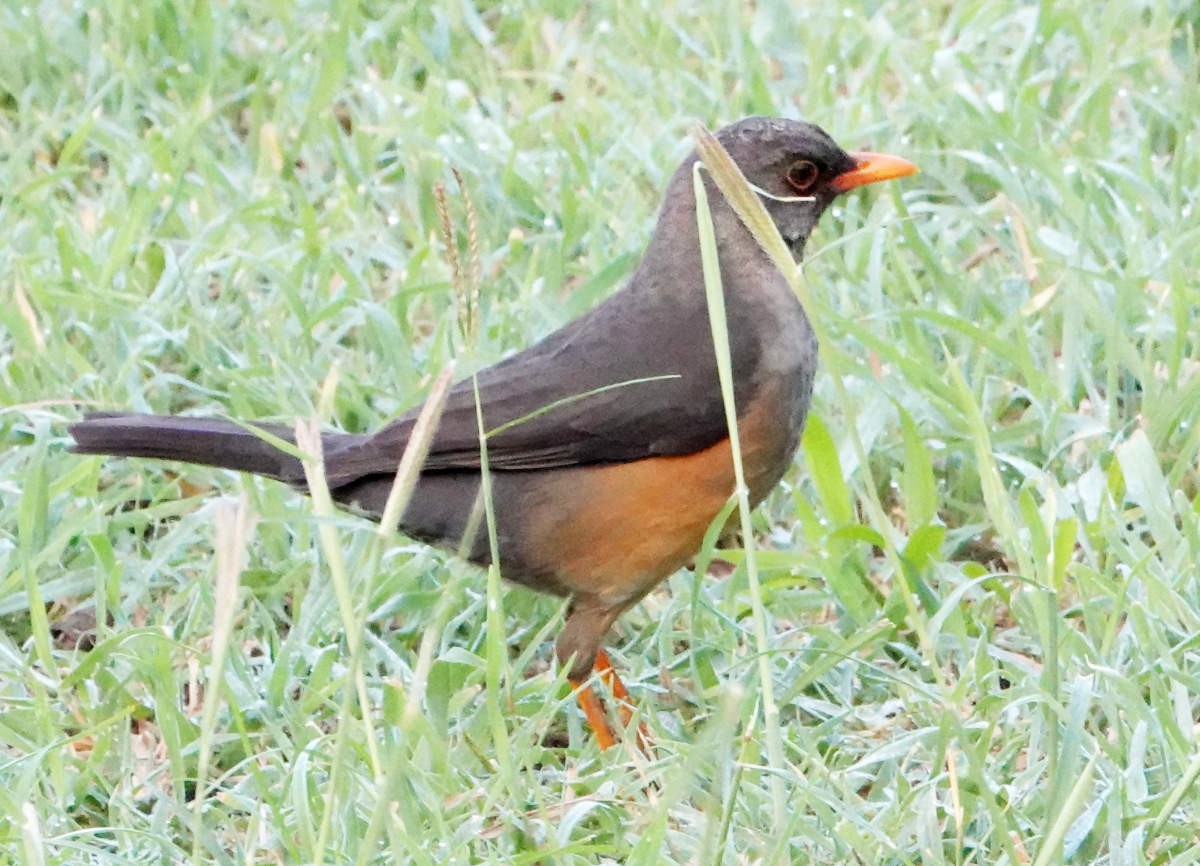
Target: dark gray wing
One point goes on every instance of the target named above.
(636, 377)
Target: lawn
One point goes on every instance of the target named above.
(980, 580)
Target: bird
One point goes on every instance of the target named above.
(608, 449)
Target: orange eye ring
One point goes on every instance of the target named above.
(802, 174)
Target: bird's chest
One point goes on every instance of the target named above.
(776, 404)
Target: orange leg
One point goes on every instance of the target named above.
(603, 667)
(593, 710)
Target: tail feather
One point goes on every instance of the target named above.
(206, 441)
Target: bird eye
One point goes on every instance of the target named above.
(801, 175)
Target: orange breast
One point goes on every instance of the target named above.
(615, 531)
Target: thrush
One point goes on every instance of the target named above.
(609, 453)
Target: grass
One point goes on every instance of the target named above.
(229, 208)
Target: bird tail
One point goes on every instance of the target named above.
(206, 441)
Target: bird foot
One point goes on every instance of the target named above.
(593, 707)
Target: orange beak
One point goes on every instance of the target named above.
(871, 168)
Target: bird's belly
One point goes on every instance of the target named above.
(611, 531)
(615, 531)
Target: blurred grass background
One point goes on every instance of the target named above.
(227, 208)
